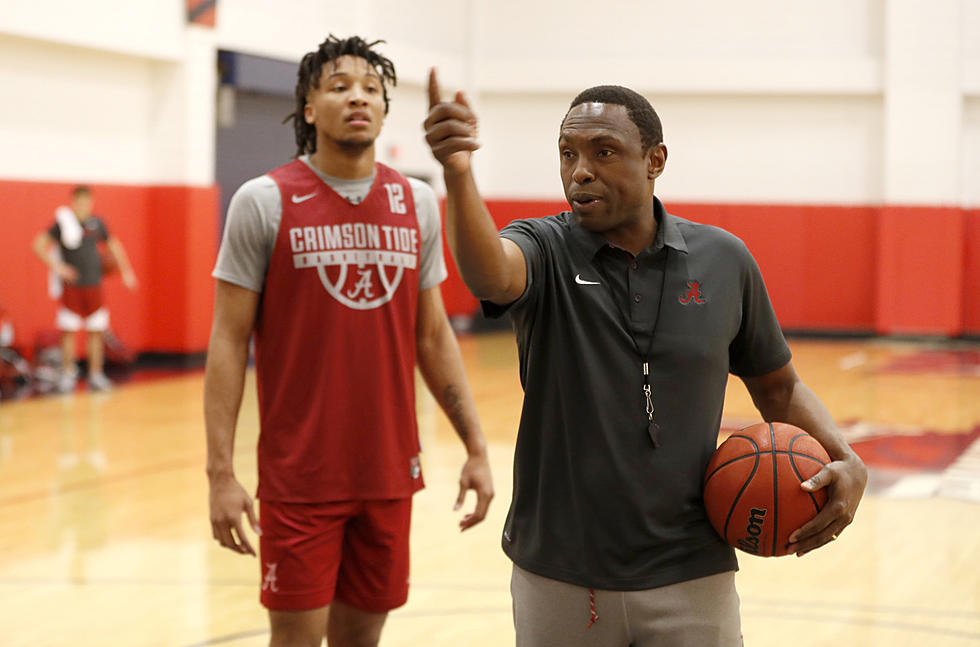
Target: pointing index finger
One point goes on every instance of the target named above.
(434, 93)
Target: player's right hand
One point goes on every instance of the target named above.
(66, 272)
(229, 501)
(129, 280)
(450, 129)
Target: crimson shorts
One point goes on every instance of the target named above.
(352, 551)
(82, 300)
(81, 308)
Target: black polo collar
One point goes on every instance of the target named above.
(668, 233)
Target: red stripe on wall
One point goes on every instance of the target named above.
(834, 268)
(458, 300)
(971, 273)
(921, 270)
(182, 225)
(818, 261)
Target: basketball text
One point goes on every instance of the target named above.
(757, 518)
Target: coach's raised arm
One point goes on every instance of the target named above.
(492, 267)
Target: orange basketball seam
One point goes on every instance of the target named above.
(760, 453)
(729, 462)
(745, 485)
(775, 487)
(792, 463)
(734, 459)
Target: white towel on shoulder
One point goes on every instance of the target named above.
(71, 237)
(71, 229)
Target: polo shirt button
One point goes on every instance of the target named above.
(637, 298)
(634, 265)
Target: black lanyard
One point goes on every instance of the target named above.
(653, 429)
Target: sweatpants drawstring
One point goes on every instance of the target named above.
(593, 615)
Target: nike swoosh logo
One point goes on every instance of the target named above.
(581, 281)
(302, 198)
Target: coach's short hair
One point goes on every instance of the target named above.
(637, 107)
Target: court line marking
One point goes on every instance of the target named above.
(842, 620)
(119, 581)
(868, 622)
(865, 608)
(111, 479)
(746, 601)
(251, 633)
(394, 614)
(98, 481)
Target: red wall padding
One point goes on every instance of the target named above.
(971, 273)
(892, 270)
(904, 270)
(183, 227)
(458, 299)
(170, 234)
(921, 270)
(818, 261)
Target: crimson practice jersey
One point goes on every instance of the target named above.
(335, 343)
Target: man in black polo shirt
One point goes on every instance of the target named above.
(628, 321)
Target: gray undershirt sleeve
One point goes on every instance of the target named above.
(432, 264)
(250, 234)
(255, 212)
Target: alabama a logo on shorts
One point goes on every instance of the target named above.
(360, 264)
(269, 582)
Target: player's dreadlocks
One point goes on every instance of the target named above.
(308, 77)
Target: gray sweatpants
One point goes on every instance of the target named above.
(697, 613)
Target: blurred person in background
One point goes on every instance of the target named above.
(70, 249)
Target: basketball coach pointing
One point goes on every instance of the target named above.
(628, 320)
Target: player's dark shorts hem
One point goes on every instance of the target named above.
(296, 601)
(356, 552)
(82, 300)
(374, 605)
(319, 599)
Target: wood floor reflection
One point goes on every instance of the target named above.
(104, 538)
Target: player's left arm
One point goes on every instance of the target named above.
(781, 396)
(122, 260)
(441, 366)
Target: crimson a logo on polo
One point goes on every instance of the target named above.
(360, 264)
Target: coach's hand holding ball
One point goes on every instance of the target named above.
(771, 489)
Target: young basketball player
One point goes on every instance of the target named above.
(76, 233)
(628, 322)
(333, 261)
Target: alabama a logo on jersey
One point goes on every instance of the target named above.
(360, 264)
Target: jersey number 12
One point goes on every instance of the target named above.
(396, 198)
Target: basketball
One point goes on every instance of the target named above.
(752, 486)
(108, 262)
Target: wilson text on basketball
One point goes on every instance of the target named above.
(757, 519)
